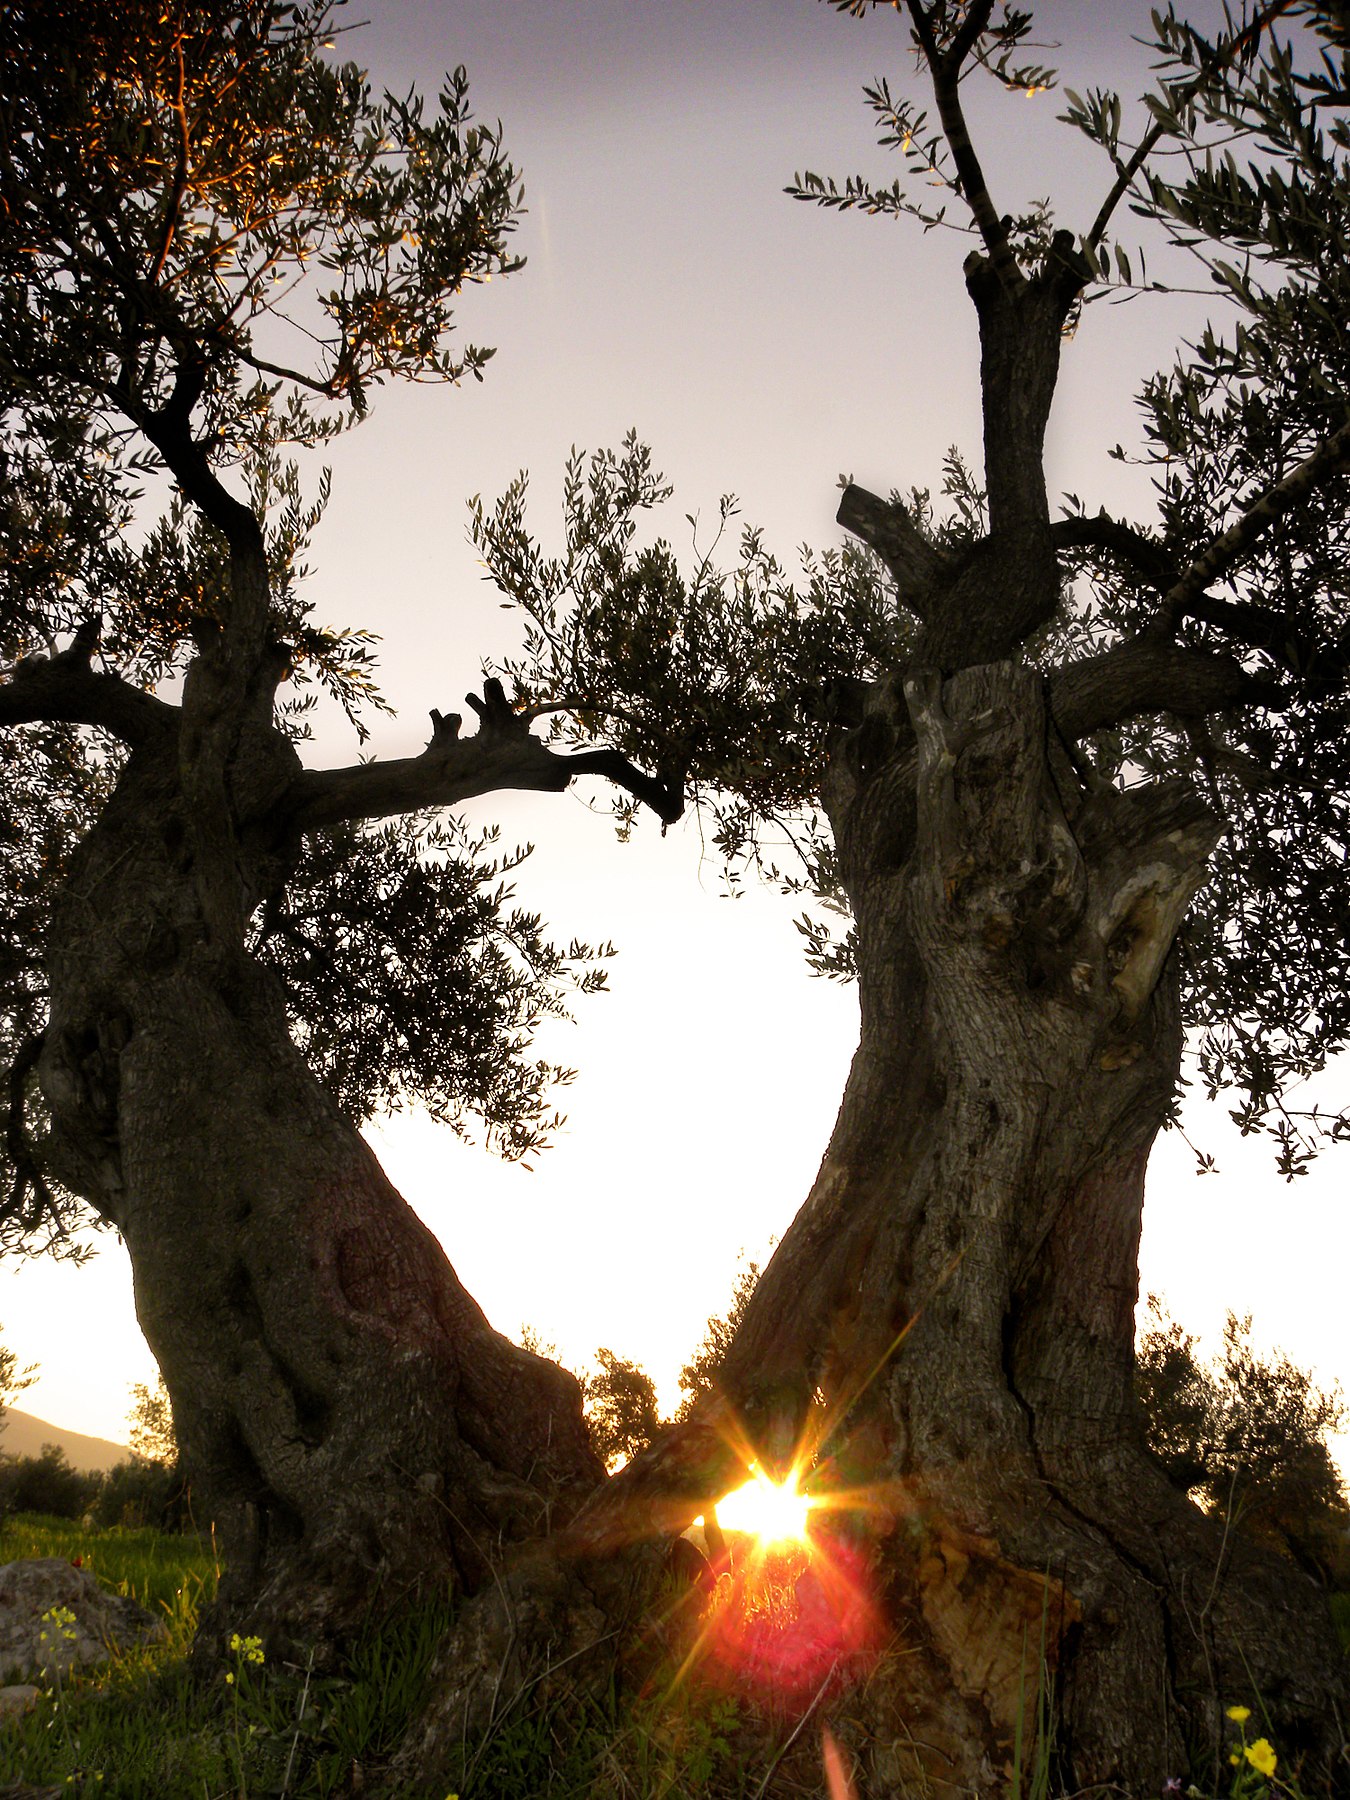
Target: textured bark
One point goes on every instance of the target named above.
(351, 1424)
(959, 1288)
(972, 1238)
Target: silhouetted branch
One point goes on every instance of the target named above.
(1101, 532)
(1148, 674)
(65, 687)
(1331, 458)
(886, 527)
(501, 754)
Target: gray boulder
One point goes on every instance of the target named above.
(55, 1617)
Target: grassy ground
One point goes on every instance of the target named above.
(166, 1574)
(146, 1727)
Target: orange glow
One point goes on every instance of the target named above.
(788, 1619)
(793, 1609)
(836, 1776)
(771, 1512)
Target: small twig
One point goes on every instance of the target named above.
(796, 1730)
(179, 188)
(295, 1736)
(1126, 172)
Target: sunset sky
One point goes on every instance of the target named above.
(761, 347)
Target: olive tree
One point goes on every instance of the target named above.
(215, 243)
(1074, 786)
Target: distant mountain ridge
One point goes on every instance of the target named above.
(24, 1434)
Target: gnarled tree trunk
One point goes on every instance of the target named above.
(961, 1284)
(959, 1292)
(950, 1318)
(350, 1423)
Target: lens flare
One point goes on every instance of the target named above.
(772, 1512)
(792, 1610)
(836, 1775)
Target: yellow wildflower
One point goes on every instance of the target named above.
(1239, 1714)
(62, 1619)
(1262, 1757)
(229, 1682)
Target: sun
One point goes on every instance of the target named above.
(772, 1512)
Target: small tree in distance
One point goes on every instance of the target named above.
(152, 1432)
(698, 1377)
(620, 1396)
(621, 1408)
(13, 1380)
(47, 1483)
(1246, 1436)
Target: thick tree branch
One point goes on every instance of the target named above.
(1102, 532)
(1331, 458)
(187, 462)
(1318, 668)
(1256, 627)
(664, 798)
(66, 688)
(1252, 626)
(886, 527)
(223, 682)
(1148, 674)
(501, 754)
(945, 70)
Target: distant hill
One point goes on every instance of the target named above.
(24, 1435)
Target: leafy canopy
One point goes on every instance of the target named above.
(749, 685)
(621, 1409)
(1247, 1436)
(215, 243)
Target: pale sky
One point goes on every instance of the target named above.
(762, 347)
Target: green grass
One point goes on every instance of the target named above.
(145, 1725)
(163, 1573)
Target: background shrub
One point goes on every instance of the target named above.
(46, 1483)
